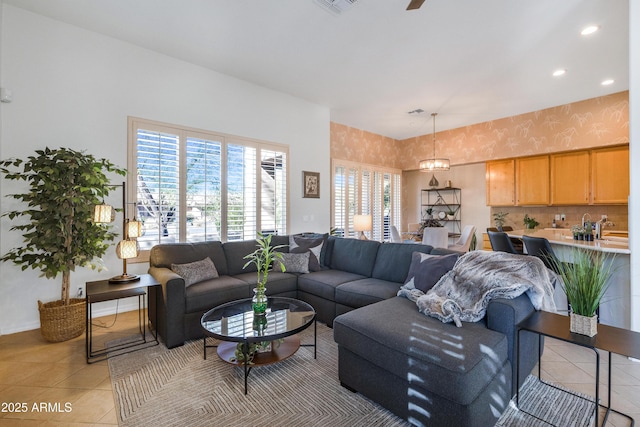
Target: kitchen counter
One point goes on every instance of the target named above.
(563, 236)
(615, 309)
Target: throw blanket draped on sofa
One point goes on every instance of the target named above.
(463, 293)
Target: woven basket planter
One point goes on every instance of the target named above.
(584, 325)
(59, 322)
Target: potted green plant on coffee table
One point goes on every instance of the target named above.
(263, 258)
(63, 187)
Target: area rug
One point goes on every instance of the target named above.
(160, 387)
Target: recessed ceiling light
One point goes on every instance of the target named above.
(589, 30)
(560, 72)
(607, 82)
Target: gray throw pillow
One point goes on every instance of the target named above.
(195, 272)
(300, 244)
(293, 263)
(425, 270)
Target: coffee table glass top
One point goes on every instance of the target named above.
(235, 321)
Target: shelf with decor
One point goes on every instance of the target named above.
(443, 205)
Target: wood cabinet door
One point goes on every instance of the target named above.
(610, 175)
(500, 177)
(570, 183)
(532, 180)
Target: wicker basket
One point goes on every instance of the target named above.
(584, 325)
(59, 322)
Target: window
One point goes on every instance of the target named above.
(368, 190)
(194, 186)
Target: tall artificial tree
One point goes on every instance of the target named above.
(59, 235)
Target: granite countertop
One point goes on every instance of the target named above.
(563, 236)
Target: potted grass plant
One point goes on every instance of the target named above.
(584, 281)
(56, 223)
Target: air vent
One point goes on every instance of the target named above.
(336, 6)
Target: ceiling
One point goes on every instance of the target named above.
(468, 60)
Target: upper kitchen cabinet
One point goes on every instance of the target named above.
(532, 180)
(610, 175)
(570, 183)
(500, 178)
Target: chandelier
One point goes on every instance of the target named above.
(434, 163)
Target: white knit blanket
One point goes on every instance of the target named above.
(463, 294)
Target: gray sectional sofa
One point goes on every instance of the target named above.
(425, 371)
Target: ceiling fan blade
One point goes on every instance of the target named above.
(415, 4)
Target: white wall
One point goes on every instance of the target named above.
(75, 88)
(470, 178)
(634, 158)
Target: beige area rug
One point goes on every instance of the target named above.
(160, 387)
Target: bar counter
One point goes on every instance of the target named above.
(615, 309)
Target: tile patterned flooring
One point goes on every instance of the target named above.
(33, 371)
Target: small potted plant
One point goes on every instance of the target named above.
(584, 281)
(428, 213)
(499, 219)
(451, 214)
(263, 258)
(56, 222)
(530, 223)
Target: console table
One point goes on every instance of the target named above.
(609, 338)
(102, 290)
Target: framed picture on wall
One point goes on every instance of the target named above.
(311, 184)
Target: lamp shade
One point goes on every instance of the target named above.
(134, 228)
(127, 249)
(103, 213)
(362, 222)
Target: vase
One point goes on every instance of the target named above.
(259, 301)
(584, 325)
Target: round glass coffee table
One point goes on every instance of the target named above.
(259, 340)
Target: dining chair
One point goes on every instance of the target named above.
(395, 235)
(500, 242)
(464, 242)
(438, 237)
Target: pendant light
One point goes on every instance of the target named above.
(434, 163)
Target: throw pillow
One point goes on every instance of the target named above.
(294, 263)
(299, 244)
(195, 272)
(425, 270)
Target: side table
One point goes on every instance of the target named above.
(102, 290)
(609, 338)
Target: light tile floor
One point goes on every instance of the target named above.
(33, 371)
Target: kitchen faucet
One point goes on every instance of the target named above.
(584, 224)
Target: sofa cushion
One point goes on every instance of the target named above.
(210, 293)
(196, 272)
(367, 291)
(426, 270)
(181, 253)
(323, 283)
(277, 282)
(235, 252)
(293, 262)
(354, 256)
(455, 363)
(312, 245)
(393, 260)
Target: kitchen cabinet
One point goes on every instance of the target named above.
(570, 178)
(532, 180)
(610, 175)
(500, 177)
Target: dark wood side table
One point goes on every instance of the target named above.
(609, 338)
(102, 290)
